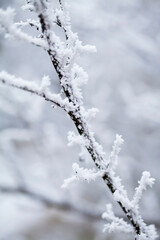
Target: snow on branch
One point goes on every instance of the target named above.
(63, 20)
(119, 224)
(71, 78)
(47, 19)
(76, 139)
(116, 223)
(144, 232)
(145, 181)
(28, 22)
(149, 232)
(113, 158)
(7, 24)
(28, 6)
(32, 87)
(120, 194)
(90, 114)
(78, 78)
(81, 141)
(62, 53)
(82, 174)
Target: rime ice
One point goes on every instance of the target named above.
(63, 53)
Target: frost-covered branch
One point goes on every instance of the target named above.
(71, 78)
(116, 223)
(32, 87)
(113, 158)
(145, 181)
(7, 24)
(28, 22)
(82, 174)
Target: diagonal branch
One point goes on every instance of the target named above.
(84, 130)
(61, 59)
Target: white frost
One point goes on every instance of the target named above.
(32, 87)
(115, 223)
(82, 174)
(76, 139)
(145, 181)
(46, 82)
(6, 23)
(113, 158)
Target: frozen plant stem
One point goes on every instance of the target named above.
(71, 77)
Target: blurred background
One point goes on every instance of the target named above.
(34, 157)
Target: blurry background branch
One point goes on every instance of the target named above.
(52, 203)
(63, 205)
